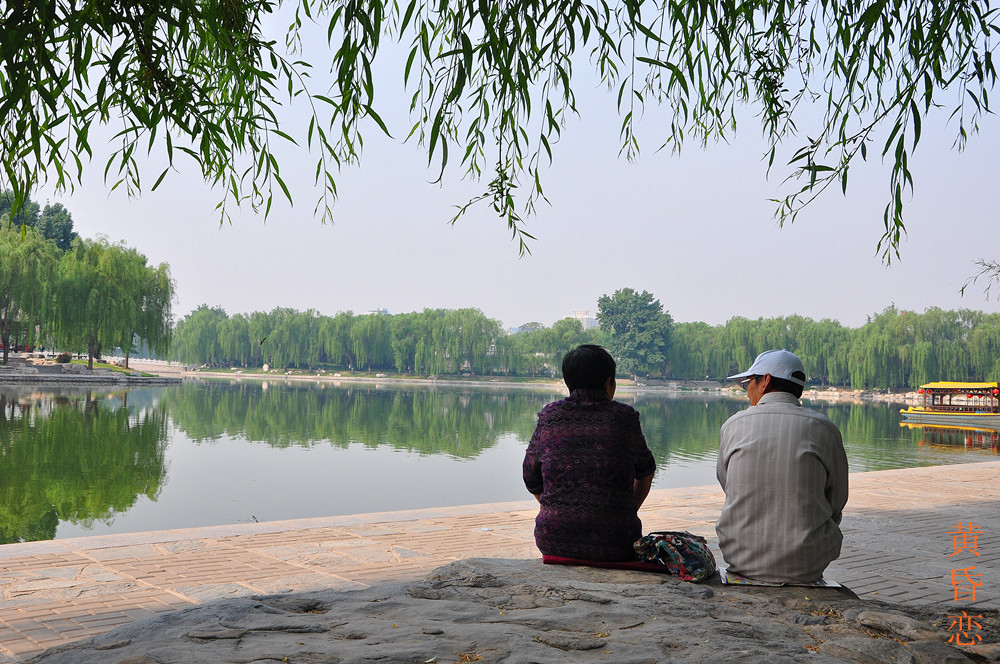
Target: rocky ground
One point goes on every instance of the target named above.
(27, 369)
(494, 610)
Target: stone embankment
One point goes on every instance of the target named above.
(498, 610)
(840, 395)
(678, 388)
(829, 394)
(398, 587)
(35, 370)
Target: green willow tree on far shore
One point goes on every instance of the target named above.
(83, 295)
(894, 349)
(27, 265)
(539, 350)
(429, 342)
(491, 82)
(105, 297)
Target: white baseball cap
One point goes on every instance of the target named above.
(777, 363)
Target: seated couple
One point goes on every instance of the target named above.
(782, 466)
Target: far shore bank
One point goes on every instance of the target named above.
(35, 369)
(673, 388)
(172, 372)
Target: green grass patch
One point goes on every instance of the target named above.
(113, 367)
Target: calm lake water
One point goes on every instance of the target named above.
(76, 463)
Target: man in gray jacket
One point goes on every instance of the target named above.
(784, 472)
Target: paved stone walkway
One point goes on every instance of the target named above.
(898, 548)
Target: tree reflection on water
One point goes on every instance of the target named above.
(74, 456)
(415, 419)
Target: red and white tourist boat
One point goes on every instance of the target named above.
(957, 404)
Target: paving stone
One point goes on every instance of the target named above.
(210, 592)
(303, 581)
(21, 647)
(182, 546)
(137, 551)
(99, 618)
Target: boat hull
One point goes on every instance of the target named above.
(987, 420)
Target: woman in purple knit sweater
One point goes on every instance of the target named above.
(588, 465)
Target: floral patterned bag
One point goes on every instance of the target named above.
(683, 554)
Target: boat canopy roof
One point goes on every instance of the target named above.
(946, 385)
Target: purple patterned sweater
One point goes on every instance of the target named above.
(583, 458)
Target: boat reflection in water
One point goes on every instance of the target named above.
(948, 436)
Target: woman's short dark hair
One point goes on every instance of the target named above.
(588, 366)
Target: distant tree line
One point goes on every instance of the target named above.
(894, 349)
(430, 342)
(77, 295)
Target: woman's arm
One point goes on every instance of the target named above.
(531, 468)
(641, 488)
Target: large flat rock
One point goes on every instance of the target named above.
(495, 610)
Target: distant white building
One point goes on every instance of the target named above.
(583, 315)
(383, 312)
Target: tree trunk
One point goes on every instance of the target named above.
(90, 353)
(5, 335)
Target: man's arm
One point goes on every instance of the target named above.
(837, 481)
(722, 462)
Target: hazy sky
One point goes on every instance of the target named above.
(696, 230)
